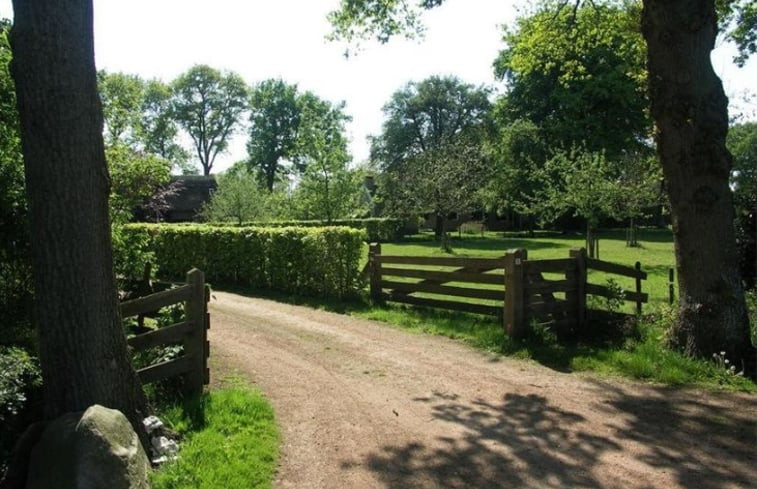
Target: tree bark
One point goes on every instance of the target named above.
(690, 111)
(83, 350)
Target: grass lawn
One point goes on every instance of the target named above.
(637, 354)
(230, 440)
(655, 253)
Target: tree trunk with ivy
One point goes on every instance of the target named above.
(83, 352)
(690, 111)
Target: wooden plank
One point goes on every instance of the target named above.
(164, 370)
(455, 306)
(473, 263)
(153, 302)
(374, 264)
(603, 266)
(515, 298)
(554, 265)
(194, 344)
(603, 291)
(551, 286)
(488, 294)
(170, 334)
(472, 277)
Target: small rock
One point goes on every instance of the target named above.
(152, 423)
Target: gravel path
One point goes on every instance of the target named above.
(363, 405)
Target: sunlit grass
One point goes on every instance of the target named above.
(230, 441)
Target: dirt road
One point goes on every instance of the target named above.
(363, 405)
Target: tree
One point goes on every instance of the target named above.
(690, 113)
(327, 189)
(579, 181)
(431, 117)
(239, 197)
(742, 143)
(638, 184)
(275, 114)
(208, 105)
(425, 114)
(690, 110)
(15, 269)
(442, 180)
(122, 97)
(579, 75)
(158, 130)
(83, 350)
(517, 152)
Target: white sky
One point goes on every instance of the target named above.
(262, 39)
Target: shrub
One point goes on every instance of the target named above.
(20, 394)
(377, 229)
(321, 262)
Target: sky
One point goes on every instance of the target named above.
(261, 39)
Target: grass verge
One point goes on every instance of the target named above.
(230, 440)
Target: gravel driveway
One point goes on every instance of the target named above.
(363, 405)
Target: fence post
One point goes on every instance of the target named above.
(195, 343)
(579, 279)
(374, 251)
(671, 286)
(515, 314)
(638, 287)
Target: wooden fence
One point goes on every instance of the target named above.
(515, 287)
(190, 333)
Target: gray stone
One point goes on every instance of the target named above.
(92, 450)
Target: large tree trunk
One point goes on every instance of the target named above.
(82, 344)
(691, 115)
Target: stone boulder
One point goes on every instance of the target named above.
(91, 450)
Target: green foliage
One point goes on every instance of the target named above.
(738, 18)
(579, 74)
(320, 262)
(377, 229)
(230, 440)
(742, 143)
(122, 97)
(15, 268)
(158, 130)
(356, 20)
(20, 392)
(423, 115)
(208, 105)
(275, 119)
(134, 177)
(238, 198)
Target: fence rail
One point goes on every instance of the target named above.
(190, 333)
(524, 295)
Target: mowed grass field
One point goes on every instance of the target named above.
(655, 253)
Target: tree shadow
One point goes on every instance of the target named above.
(525, 441)
(704, 444)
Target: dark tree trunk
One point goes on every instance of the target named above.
(82, 344)
(439, 226)
(691, 116)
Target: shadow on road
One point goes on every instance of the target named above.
(524, 441)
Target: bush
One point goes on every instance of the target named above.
(20, 397)
(377, 229)
(321, 262)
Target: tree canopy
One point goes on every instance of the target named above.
(423, 115)
(275, 116)
(208, 105)
(579, 75)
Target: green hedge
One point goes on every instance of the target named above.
(377, 229)
(321, 262)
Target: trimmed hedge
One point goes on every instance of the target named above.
(377, 229)
(321, 262)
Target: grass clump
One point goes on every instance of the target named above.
(229, 440)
